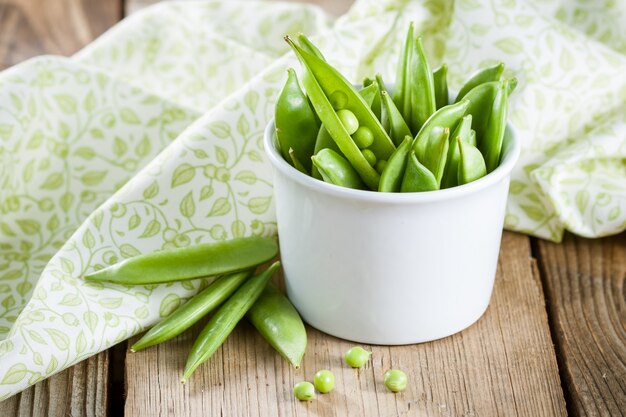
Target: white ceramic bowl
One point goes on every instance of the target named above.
(390, 268)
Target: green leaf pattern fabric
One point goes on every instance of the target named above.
(151, 138)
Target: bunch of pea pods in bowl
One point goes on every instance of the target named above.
(390, 202)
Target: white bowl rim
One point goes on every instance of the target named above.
(512, 152)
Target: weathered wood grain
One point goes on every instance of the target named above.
(78, 391)
(34, 27)
(586, 292)
(503, 365)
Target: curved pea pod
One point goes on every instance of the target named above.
(306, 44)
(326, 81)
(436, 152)
(296, 162)
(201, 260)
(279, 323)
(480, 77)
(471, 164)
(401, 95)
(225, 319)
(462, 131)
(440, 80)
(335, 169)
(491, 144)
(447, 116)
(422, 88)
(398, 129)
(417, 177)
(193, 310)
(296, 124)
(393, 171)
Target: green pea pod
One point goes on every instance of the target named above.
(423, 103)
(323, 141)
(296, 125)
(308, 46)
(369, 93)
(325, 81)
(480, 77)
(393, 171)
(512, 85)
(440, 80)
(193, 310)
(436, 152)
(401, 94)
(279, 323)
(491, 144)
(398, 128)
(296, 162)
(462, 131)
(335, 169)
(472, 137)
(417, 177)
(448, 116)
(225, 319)
(206, 259)
(471, 164)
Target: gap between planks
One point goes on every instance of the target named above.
(503, 365)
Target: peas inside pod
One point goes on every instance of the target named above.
(364, 127)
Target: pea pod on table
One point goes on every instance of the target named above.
(279, 323)
(206, 259)
(225, 319)
(193, 310)
(325, 82)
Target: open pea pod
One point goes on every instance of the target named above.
(471, 163)
(393, 171)
(436, 152)
(398, 129)
(447, 116)
(417, 177)
(401, 96)
(440, 80)
(422, 87)
(481, 76)
(462, 131)
(296, 124)
(325, 82)
(335, 169)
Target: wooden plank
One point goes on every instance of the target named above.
(586, 292)
(78, 391)
(503, 365)
(33, 27)
(29, 28)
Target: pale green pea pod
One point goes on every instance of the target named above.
(393, 171)
(423, 103)
(472, 137)
(309, 47)
(471, 164)
(436, 152)
(417, 177)
(279, 323)
(463, 131)
(398, 128)
(448, 116)
(481, 76)
(335, 169)
(440, 80)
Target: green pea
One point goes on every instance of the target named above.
(363, 137)
(357, 357)
(304, 391)
(395, 380)
(348, 120)
(369, 156)
(380, 166)
(324, 381)
(338, 99)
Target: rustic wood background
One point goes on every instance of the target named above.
(553, 340)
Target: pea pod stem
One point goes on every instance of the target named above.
(225, 319)
(201, 260)
(193, 310)
(279, 323)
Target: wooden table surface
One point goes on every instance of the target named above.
(553, 340)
